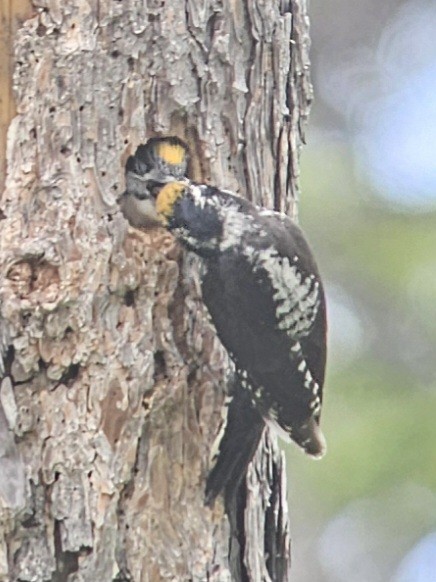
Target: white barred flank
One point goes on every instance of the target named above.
(235, 224)
(309, 381)
(297, 299)
(183, 234)
(274, 416)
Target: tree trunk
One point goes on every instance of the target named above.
(112, 377)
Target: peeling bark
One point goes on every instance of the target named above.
(112, 377)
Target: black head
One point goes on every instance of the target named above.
(189, 212)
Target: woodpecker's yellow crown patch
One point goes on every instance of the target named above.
(167, 197)
(170, 153)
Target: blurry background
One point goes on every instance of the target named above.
(367, 512)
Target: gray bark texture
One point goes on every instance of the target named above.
(112, 377)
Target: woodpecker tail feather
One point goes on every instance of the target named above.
(241, 436)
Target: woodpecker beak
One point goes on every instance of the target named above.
(167, 198)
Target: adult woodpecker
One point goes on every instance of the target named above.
(263, 291)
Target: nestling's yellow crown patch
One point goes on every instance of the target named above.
(167, 197)
(173, 154)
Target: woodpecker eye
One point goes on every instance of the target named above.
(154, 188)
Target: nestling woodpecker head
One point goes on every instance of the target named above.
(160, 161)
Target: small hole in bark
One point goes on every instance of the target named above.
(52, 109)
(66, 562)
(115, 54)
(70, 374)
(129, 298)
(8, 359)
(192, 377)
(40, 31)
(25, 317)
(159, 363)
(30, 521)
(210, 25)
(42, 365)
(123, 576)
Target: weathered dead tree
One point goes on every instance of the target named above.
(112, 379)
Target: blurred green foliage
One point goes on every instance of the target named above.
(381, 432)
(357, 514)
(380, 403)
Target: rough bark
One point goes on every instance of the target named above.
(12, 13)
(112, 377)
